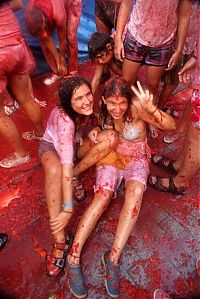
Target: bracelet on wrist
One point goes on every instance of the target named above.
(154, 111)
(68, 212)
(67, 205)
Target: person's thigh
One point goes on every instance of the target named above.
(73, 18)
(130, 70)
(154, 74)
(19, 85)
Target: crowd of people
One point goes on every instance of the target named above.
(163, 36)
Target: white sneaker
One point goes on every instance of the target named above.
(52, 79)
(14, 160)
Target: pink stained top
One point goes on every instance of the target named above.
(10, 31)
(60, 131)
(153, 23)
(53, 9)
(191, 38)
(196, 82)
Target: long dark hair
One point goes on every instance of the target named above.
(66, 90)
(116, 86)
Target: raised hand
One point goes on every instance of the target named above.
(144, 96)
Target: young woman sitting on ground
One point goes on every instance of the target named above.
(56, 153)
(130, 160)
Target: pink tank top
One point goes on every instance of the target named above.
(10, 31)
(153, 23)
(60, 131)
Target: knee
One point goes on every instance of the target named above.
(113, 138)
(54, 172)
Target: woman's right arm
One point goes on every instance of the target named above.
(149, 113)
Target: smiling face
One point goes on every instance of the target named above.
(116, 106)
(82, 100)
(104, 57)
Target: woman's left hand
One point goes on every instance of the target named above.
(145, 98)
(60, 222)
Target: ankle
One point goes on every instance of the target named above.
(73, 259)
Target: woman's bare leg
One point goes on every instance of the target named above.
(154, 74)
(128, 216)
(190, 158)
(167, 90)
(88, 222)
(53, 188)
(107, 141)
(19, 85)
(130, 70)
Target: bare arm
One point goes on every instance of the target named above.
(48, 43)
(149, 113)
(97, 76)
(123, 16)
(63, 218)
(15, 4)
(184, 11)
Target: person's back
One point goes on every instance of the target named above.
(10, 32)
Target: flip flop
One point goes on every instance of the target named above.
(30, 135)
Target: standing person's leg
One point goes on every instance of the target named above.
(191, 161)
(19, 85)
(130, 70)
(53, 191)
(73, 19)
(10, 132)
(154, 74)
(166, 92)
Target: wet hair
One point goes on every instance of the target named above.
(116, 86)
(35, 21)
(66, 90)
(98, 44)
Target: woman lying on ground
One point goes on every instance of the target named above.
(130, 160)
(56, 153)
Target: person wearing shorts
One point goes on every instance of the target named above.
(188, 161)
(16, 62)
(151, 30)
(129, 160)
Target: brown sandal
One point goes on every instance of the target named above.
(55, 265)
(164, 163)
(79, 193)
(160, 187)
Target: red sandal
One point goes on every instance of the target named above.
(55, 265)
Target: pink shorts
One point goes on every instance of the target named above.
(15, 60)
(109, 177)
